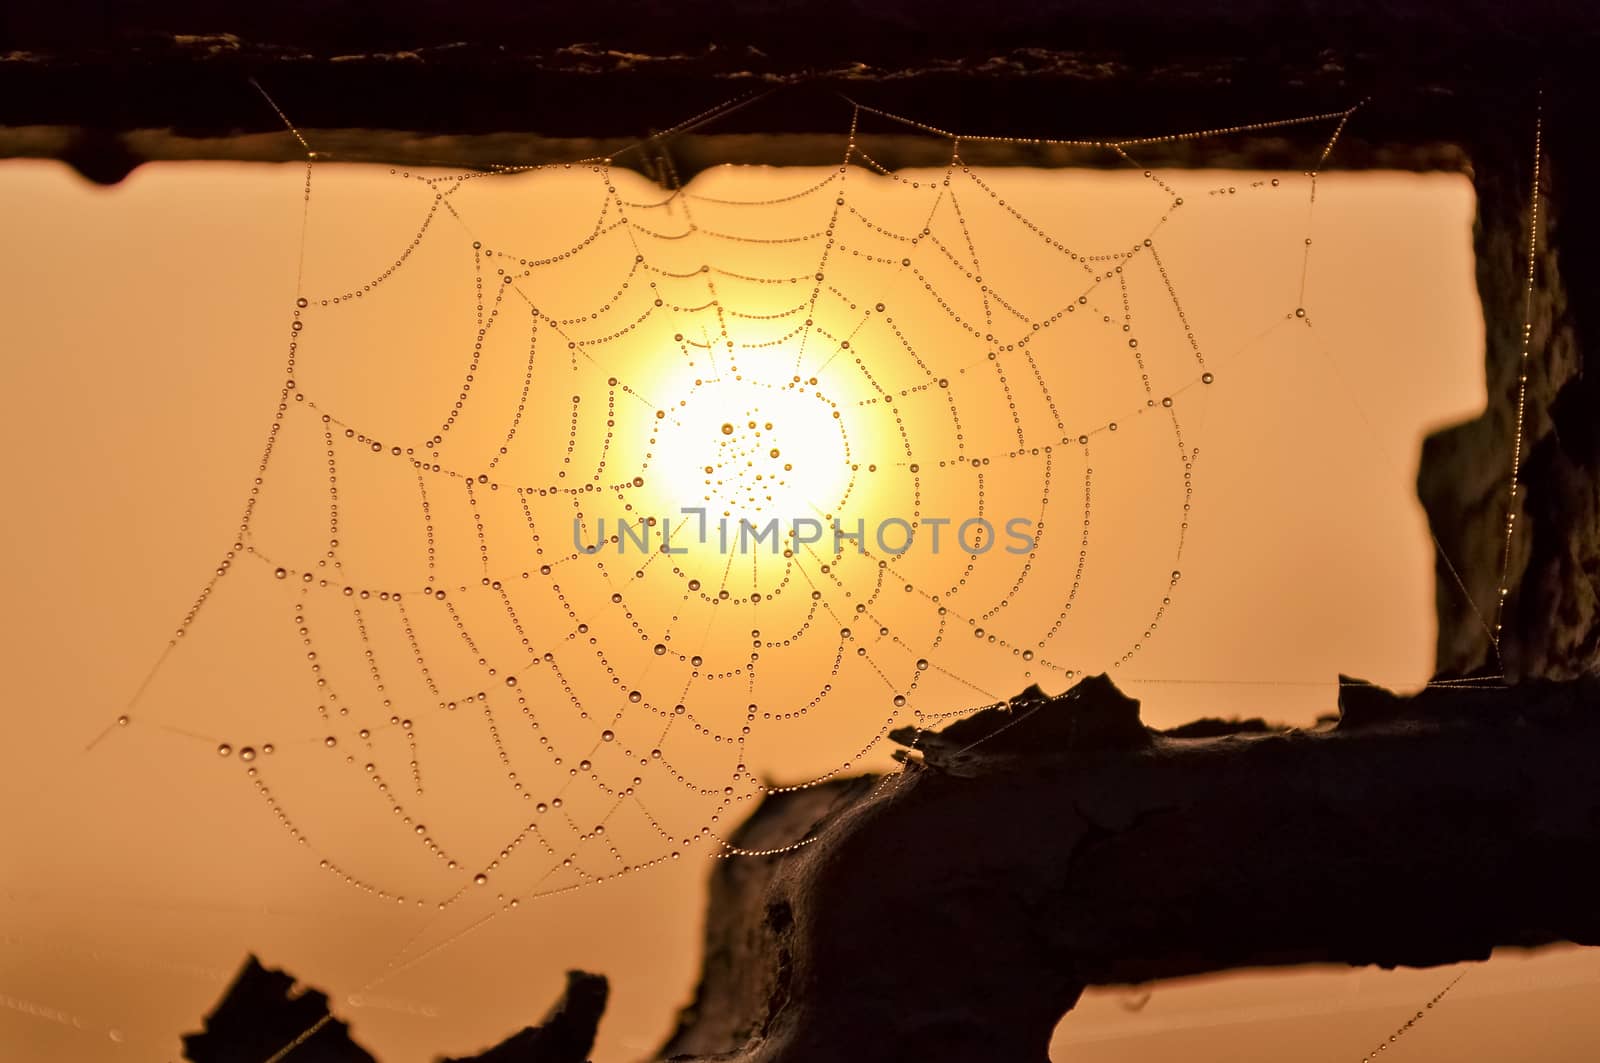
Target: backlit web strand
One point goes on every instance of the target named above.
(917, 344)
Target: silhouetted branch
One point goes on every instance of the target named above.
(261, 1018)
(955, 911)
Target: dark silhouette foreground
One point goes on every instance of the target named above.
(954, 911)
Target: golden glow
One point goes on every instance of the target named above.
(1304, 553)
(779, 453)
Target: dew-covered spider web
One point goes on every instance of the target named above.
(597, 507)
(871, 402)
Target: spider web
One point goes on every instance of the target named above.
(489, 373)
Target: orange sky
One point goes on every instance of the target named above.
(150, 336)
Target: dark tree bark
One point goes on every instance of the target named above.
(263, 1012)
(955, 911)
(512, 82)
(264, 1017)
(1551, 619)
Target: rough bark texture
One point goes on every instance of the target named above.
(955, 911)
(1551, 620)
(515, 82)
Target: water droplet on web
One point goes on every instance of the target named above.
(224, 750)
